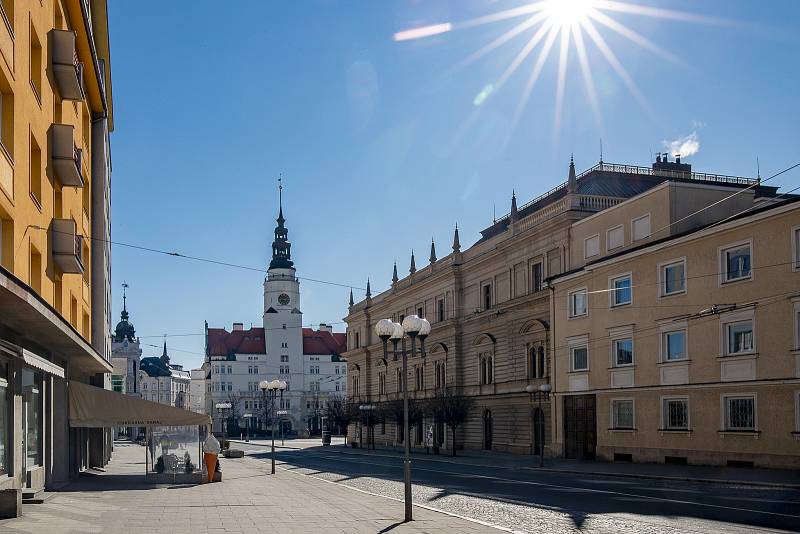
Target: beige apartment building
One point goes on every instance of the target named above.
(55, 119)
(677, 332)
(490, 311)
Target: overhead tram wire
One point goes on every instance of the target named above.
(196, 258)
(265, 329)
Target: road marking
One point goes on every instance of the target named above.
(418, 505)
(574, 488)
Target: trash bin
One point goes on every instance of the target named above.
(326, 438)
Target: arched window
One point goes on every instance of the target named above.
(541, 372)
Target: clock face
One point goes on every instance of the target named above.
(283, 299)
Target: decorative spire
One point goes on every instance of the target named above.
(432, 259)
(124, 313)
(281, 248)
(124, 330)
(394, 273)
(369, 290)
(513, 204)
(351, 297)
(456, 242)
(164, 355)
(572, 183)
(413, 267)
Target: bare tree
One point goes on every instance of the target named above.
(451, 409)
(341, 411)
(394, 411)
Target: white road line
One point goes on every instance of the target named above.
(588, 490)
(418, 505)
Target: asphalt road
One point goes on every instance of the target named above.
(524, 500)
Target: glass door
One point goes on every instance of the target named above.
(31, 419)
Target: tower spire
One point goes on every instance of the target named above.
(394, 273)
(456, 242)
(281, 248)
(513, 205)
(432, 259)
(351, 297)
(369, 290)
(124, 313)
(413, 267)
(164, 356)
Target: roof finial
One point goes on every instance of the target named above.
(413, 267)
(758, 170)
(572, 182)
(432, 259)
(280, 194)
(369, 290)
(394, 273)
(601, 150)
(351, 297)
(456, 242)
(513, 204)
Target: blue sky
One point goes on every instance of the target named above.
(381, 143)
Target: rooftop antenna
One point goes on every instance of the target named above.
(601, 150)
(494, 213)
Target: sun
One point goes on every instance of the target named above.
(566, 28)
(566, 13)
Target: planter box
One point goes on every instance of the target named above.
(233, 453)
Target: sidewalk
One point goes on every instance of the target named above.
(249, 500)
(779, 478)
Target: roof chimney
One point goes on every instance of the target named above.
(325, 327)
(238, 327)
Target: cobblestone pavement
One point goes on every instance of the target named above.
(249, 500)
(530, 501)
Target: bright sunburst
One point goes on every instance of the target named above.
(567, 25)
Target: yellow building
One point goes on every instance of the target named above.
(55, 102)
(677, 332)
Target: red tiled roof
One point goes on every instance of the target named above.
(222, 343)
(321, 342)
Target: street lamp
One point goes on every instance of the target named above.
(414, 327)
(368, 410)
(542, 393)
(272, 388)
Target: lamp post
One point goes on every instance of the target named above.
(414, 327)
(272, 388)
(542, 393)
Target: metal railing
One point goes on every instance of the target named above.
(647, 171)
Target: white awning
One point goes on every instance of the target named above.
(40, 363)
(94, 407)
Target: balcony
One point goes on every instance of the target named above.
(67, 70)
(66, 155)
(67, 246)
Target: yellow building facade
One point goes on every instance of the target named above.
(56, 115)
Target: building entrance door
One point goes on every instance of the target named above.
(580, 426)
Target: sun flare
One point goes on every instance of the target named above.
(566, 13)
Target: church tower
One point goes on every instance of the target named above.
(283, 319)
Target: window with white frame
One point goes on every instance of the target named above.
(640, 228)
(740, 412)
(736, 262)
(673, 278)
(578, 303)
(622, 417)
(675, 413)
(621, 290)
(615, 237)
(486, 362)
(623, 352)
(579, 357)
(673, 345)
(591, 246)
(739, 337)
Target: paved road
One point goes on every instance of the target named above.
(524, 500)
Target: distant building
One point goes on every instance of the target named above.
(308, 360)
(126, 355)
(198, 389)
(163, 382)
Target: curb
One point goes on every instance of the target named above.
(718, 481)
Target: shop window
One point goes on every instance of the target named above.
(32, 417)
